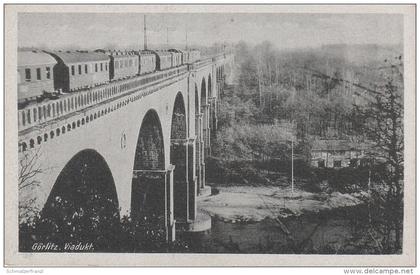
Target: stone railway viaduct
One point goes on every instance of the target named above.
(149, 133)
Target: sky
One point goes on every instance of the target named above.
(284, 30)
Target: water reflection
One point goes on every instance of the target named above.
(323, 233)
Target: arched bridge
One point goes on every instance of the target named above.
(140, 142)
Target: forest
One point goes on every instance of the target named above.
(282, 99)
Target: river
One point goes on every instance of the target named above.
(329, 232)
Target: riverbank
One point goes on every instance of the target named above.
(256, 203)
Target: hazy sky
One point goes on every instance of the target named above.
(94, 30)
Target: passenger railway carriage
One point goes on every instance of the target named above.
(79, 69)
(176, 57)
(122, 64)
(184, 56)
(35, 74)
(163, 60)
(42, 73)
(147, 61)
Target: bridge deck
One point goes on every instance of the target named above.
(36, 114)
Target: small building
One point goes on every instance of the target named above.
(338, 154)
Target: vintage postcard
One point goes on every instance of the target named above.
(210, 135)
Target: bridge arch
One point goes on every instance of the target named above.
(198, 143)
(209, 90)
(205, 110)
(178, 157)
(147, 192)
(197, 101)
(203, 93)
(83, 203)
(179, 122)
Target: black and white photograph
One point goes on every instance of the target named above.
(210, 130)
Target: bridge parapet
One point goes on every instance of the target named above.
(39, 113)
(40, 134)
(200, 64)
(219, 57)
(70, 111)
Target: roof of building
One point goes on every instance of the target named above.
(339, 145)
(80, 56)
(32, 58)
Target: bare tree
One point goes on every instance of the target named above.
(384, 125)
(29, 168)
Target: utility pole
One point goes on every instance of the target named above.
(270, 94)
(167, 37)
(369, 192)
(145, 34)
(293, 184)
(186, 39)
(293, 124)
(259, 85)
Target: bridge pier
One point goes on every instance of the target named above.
(148, 187)
(169, 205)
(206, 129)
(199, 150)
(202, 163)
(204, 189)
(185, 179)
(187, 217)
(213, 116)
(179, 158)
(203, 176)
(192, 179)
(200, 173)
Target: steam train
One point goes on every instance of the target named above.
(47, 74)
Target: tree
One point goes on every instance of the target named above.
(384, 124)
(29, 169)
